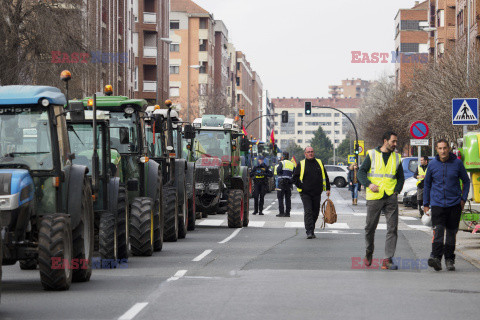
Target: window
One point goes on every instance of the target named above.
(238, 65)
(202, 89)
(174, 47)
(203, 67)
(410, 25)
(174, 69)
(338, 114)
(300, 123)
(409, 47)
(299, 114)
(174, 91)
(276, 123)
(174, 25)
(337, 132)
(276, 131)
(238, 81)
(300, 132)
(441, 18)
(203, 45)
(203, 23)
(299, 141)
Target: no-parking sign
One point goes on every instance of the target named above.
(419, 130)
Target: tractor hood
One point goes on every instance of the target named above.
(16, 188)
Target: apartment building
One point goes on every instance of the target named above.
(354, 88)
(268, 121)
(191, 58)
(223, 74)
(232, 82)
(150, 49)
(462, 9)
(301, 128)
(442, 22)
(411, 41)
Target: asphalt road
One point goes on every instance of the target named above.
(266, 271)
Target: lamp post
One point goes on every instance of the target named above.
(188, 89)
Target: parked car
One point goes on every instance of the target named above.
(410, 165)
(408, 196)
(338, 175)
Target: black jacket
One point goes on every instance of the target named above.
(312, 179)
(260, 173)
(351, 175)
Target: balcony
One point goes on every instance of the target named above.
(149, 52)
(150, 17)
(149, 86)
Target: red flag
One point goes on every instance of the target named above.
(244, 131)
(294, 161)
(272, 138)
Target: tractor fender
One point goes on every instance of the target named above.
(113, 187)
(152, 179)
(180, 177)
(75, 175)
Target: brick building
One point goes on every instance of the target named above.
(354, 88)
(442, 18)
(461, 7)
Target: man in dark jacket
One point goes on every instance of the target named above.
(311, 180)
(442, 191)
(284, 172)
(260, 174)
(420, 176)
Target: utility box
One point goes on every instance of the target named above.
(471, 160)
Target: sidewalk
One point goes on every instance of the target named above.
(468, 244)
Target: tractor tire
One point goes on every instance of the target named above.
(55, 243)
(159, 216)
(170, 231)
(246, 208)
(235, 208)
(83, 236)
(183, 215)
(192, 214)
(108, 236)
(141, 226)
(123, 237)
(29, 264)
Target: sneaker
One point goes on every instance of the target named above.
(435, 263)
(260, 214)
(287, 215)
(368, 259)
(388, 264)
(310, 236)
(450, 264)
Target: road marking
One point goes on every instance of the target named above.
(203, 255)
(336, 232)
(422, 228)
(133, 311)
(339, 225)
(268, 207)
(178, 275)
(211, 223)
(256, 224)
(230, 237)
(408, 218)
(294, 225)
(360, 214)
(382, 226)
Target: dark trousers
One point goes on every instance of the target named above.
(260, 189)
(445, 219)
(285, 192)
(420, 200)
(311, 206)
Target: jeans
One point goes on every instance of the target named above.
(445, 220)
(389, 206)
(354, 190)
(311, 205)
(420, 200)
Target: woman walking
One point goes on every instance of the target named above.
(353, 187)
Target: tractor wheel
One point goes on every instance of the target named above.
(235, 208)
(246, 208)
(183, 216)
(170, 231)
(141, 226)
(83, 236)
(158, 222)
(123, 238)
(55, 252)
(108, 236)
(192, 215)
(29, 264)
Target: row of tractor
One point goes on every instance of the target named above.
(106, 177)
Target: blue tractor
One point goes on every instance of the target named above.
(45, 200)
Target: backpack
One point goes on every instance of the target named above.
(329, 212)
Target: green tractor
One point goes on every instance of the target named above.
(221, 182)
(45, 199)
(141, 177)
(90, 140)
(164, 134)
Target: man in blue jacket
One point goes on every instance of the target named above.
(442, 191)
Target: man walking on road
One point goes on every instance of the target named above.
(382, 175)
(284, 173)
(442, 191)
(420, 176)
(311, 180)
(260, 173)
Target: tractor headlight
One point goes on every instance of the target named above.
(199, 186)
(9, 202)
(214, 186)
(129, 110)
(227, 126)
(4, 202)
(197, 125)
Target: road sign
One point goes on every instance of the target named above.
(464, 111)
(419, 129)
(419, 142)
(361, 147)
(351, 158)
(340, 164)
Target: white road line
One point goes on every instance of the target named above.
(178, 275)
(211, 222)
(201, 256)
(422, 228)
(268, 207)
(360, 214)
(382, 226)
(338, 226)
(133, 311)
(256, 224)
(294, 225)
(230, 237)
(408, 218)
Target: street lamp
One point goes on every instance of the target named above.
(188, 89)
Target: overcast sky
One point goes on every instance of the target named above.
(301, 47)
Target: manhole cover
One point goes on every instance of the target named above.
(455, 291)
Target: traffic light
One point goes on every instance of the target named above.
(284, 116)
(308, 108)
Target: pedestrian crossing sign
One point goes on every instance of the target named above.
(464, 111)
(351, 158)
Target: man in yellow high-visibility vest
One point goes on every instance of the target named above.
(382, 175)
(285, 172)
(420, 174)
(311, 180)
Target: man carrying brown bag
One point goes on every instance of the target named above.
(311, 180)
